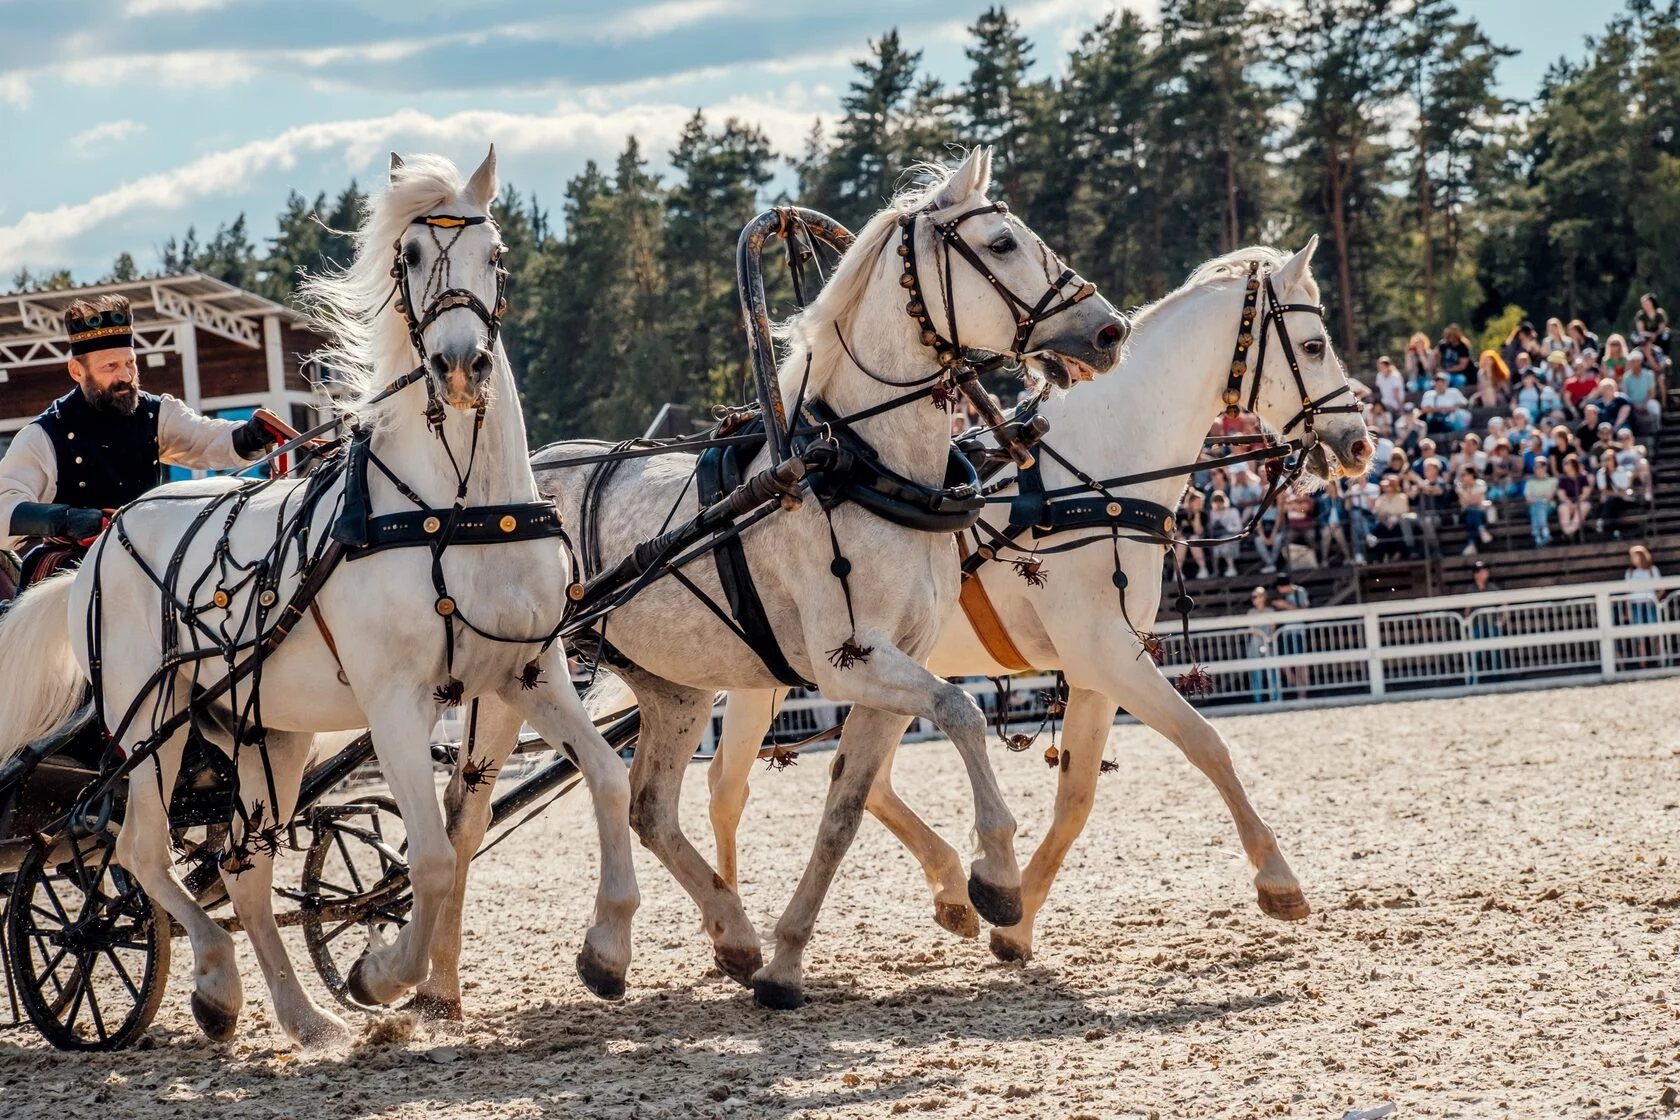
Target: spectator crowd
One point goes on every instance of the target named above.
(1555, 422)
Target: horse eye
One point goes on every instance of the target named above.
(1313, 346)
(411, 255)
(1003, 245)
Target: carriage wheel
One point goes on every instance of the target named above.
(89, 950)
(358, 858)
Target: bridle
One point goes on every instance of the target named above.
(1272, 317)
(1028, 316)
(447, 298)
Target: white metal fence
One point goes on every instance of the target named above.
(1447, 645)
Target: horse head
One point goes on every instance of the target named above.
(449, 273)
(1298, 384)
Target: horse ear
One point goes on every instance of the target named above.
(396, 162)
(972, 176)
(1295, 271)
(481, 188)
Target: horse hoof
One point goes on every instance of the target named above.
(326, 1032)
(1287, 904)
(960, 920)
(217, 1025)
(434, 1008)
(777, 996)
(356, 984)
(1009, 951)
(739, 964)
(596, 976)
(1000, 906)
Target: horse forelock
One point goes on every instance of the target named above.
(353, 306)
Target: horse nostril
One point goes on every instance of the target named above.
(1360, 450)
(481, 363)
(1109, 337)
(440, 365)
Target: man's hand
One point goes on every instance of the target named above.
(253, 437)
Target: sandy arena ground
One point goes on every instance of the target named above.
(1495, 887)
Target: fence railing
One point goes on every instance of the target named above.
(1452, 644)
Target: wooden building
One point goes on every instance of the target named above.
(223, 350)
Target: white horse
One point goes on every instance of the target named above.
(1152, 412)
(389, 671)
(902, 582)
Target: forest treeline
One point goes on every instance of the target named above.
(1377, 124)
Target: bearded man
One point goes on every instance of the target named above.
(104, 443)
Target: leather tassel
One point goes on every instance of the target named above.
(1107, 767)
(1019, 741)
(1032, 571)
(1194, 682)
(1052, 756)
(476, 773)
(849, 653)
(780, 759)
(1154, 647)
(530, 676)
(450, 693)
(945, 395)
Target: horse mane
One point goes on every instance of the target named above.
(353, 306)
(1230, 266)
(811, 331)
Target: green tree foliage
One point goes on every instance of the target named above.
(1151, 146)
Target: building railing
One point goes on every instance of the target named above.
(1532, 637)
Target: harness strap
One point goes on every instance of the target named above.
(326, 636)
(983, 617)
(716, 474)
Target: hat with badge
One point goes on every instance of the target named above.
(104, 324)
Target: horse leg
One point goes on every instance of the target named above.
(1084, 733)
(891, 680)
(869, 737)
(940, 861)
(143, 847)
(673, 721)
(467, 817)
(1151, 698)
(251, 890)
(557, 714)
(402, 726)
(747, 718)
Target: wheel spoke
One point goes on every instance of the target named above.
(93, 1000)
(128, 981)
(346, 924)
(349, 864)
(69, 1020)
(47, 887)
(345, 891)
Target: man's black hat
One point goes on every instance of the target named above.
(108, 329)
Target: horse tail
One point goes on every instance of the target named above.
(41, 684)
(608, 695)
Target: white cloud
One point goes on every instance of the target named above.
(14, 89)
(152, 7)
(657, 19)
(47, 234)
(109, 132)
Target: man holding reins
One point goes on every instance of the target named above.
(104, 443)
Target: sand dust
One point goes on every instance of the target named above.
(1496, 892)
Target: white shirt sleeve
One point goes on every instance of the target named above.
(28, 473)
(197, 442)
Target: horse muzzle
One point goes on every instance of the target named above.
(462, 376)
(1089, 345)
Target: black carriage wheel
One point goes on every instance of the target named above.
(89, 951)
(357, 859)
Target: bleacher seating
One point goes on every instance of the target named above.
(1512, 557)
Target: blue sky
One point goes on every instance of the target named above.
(124, 121)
